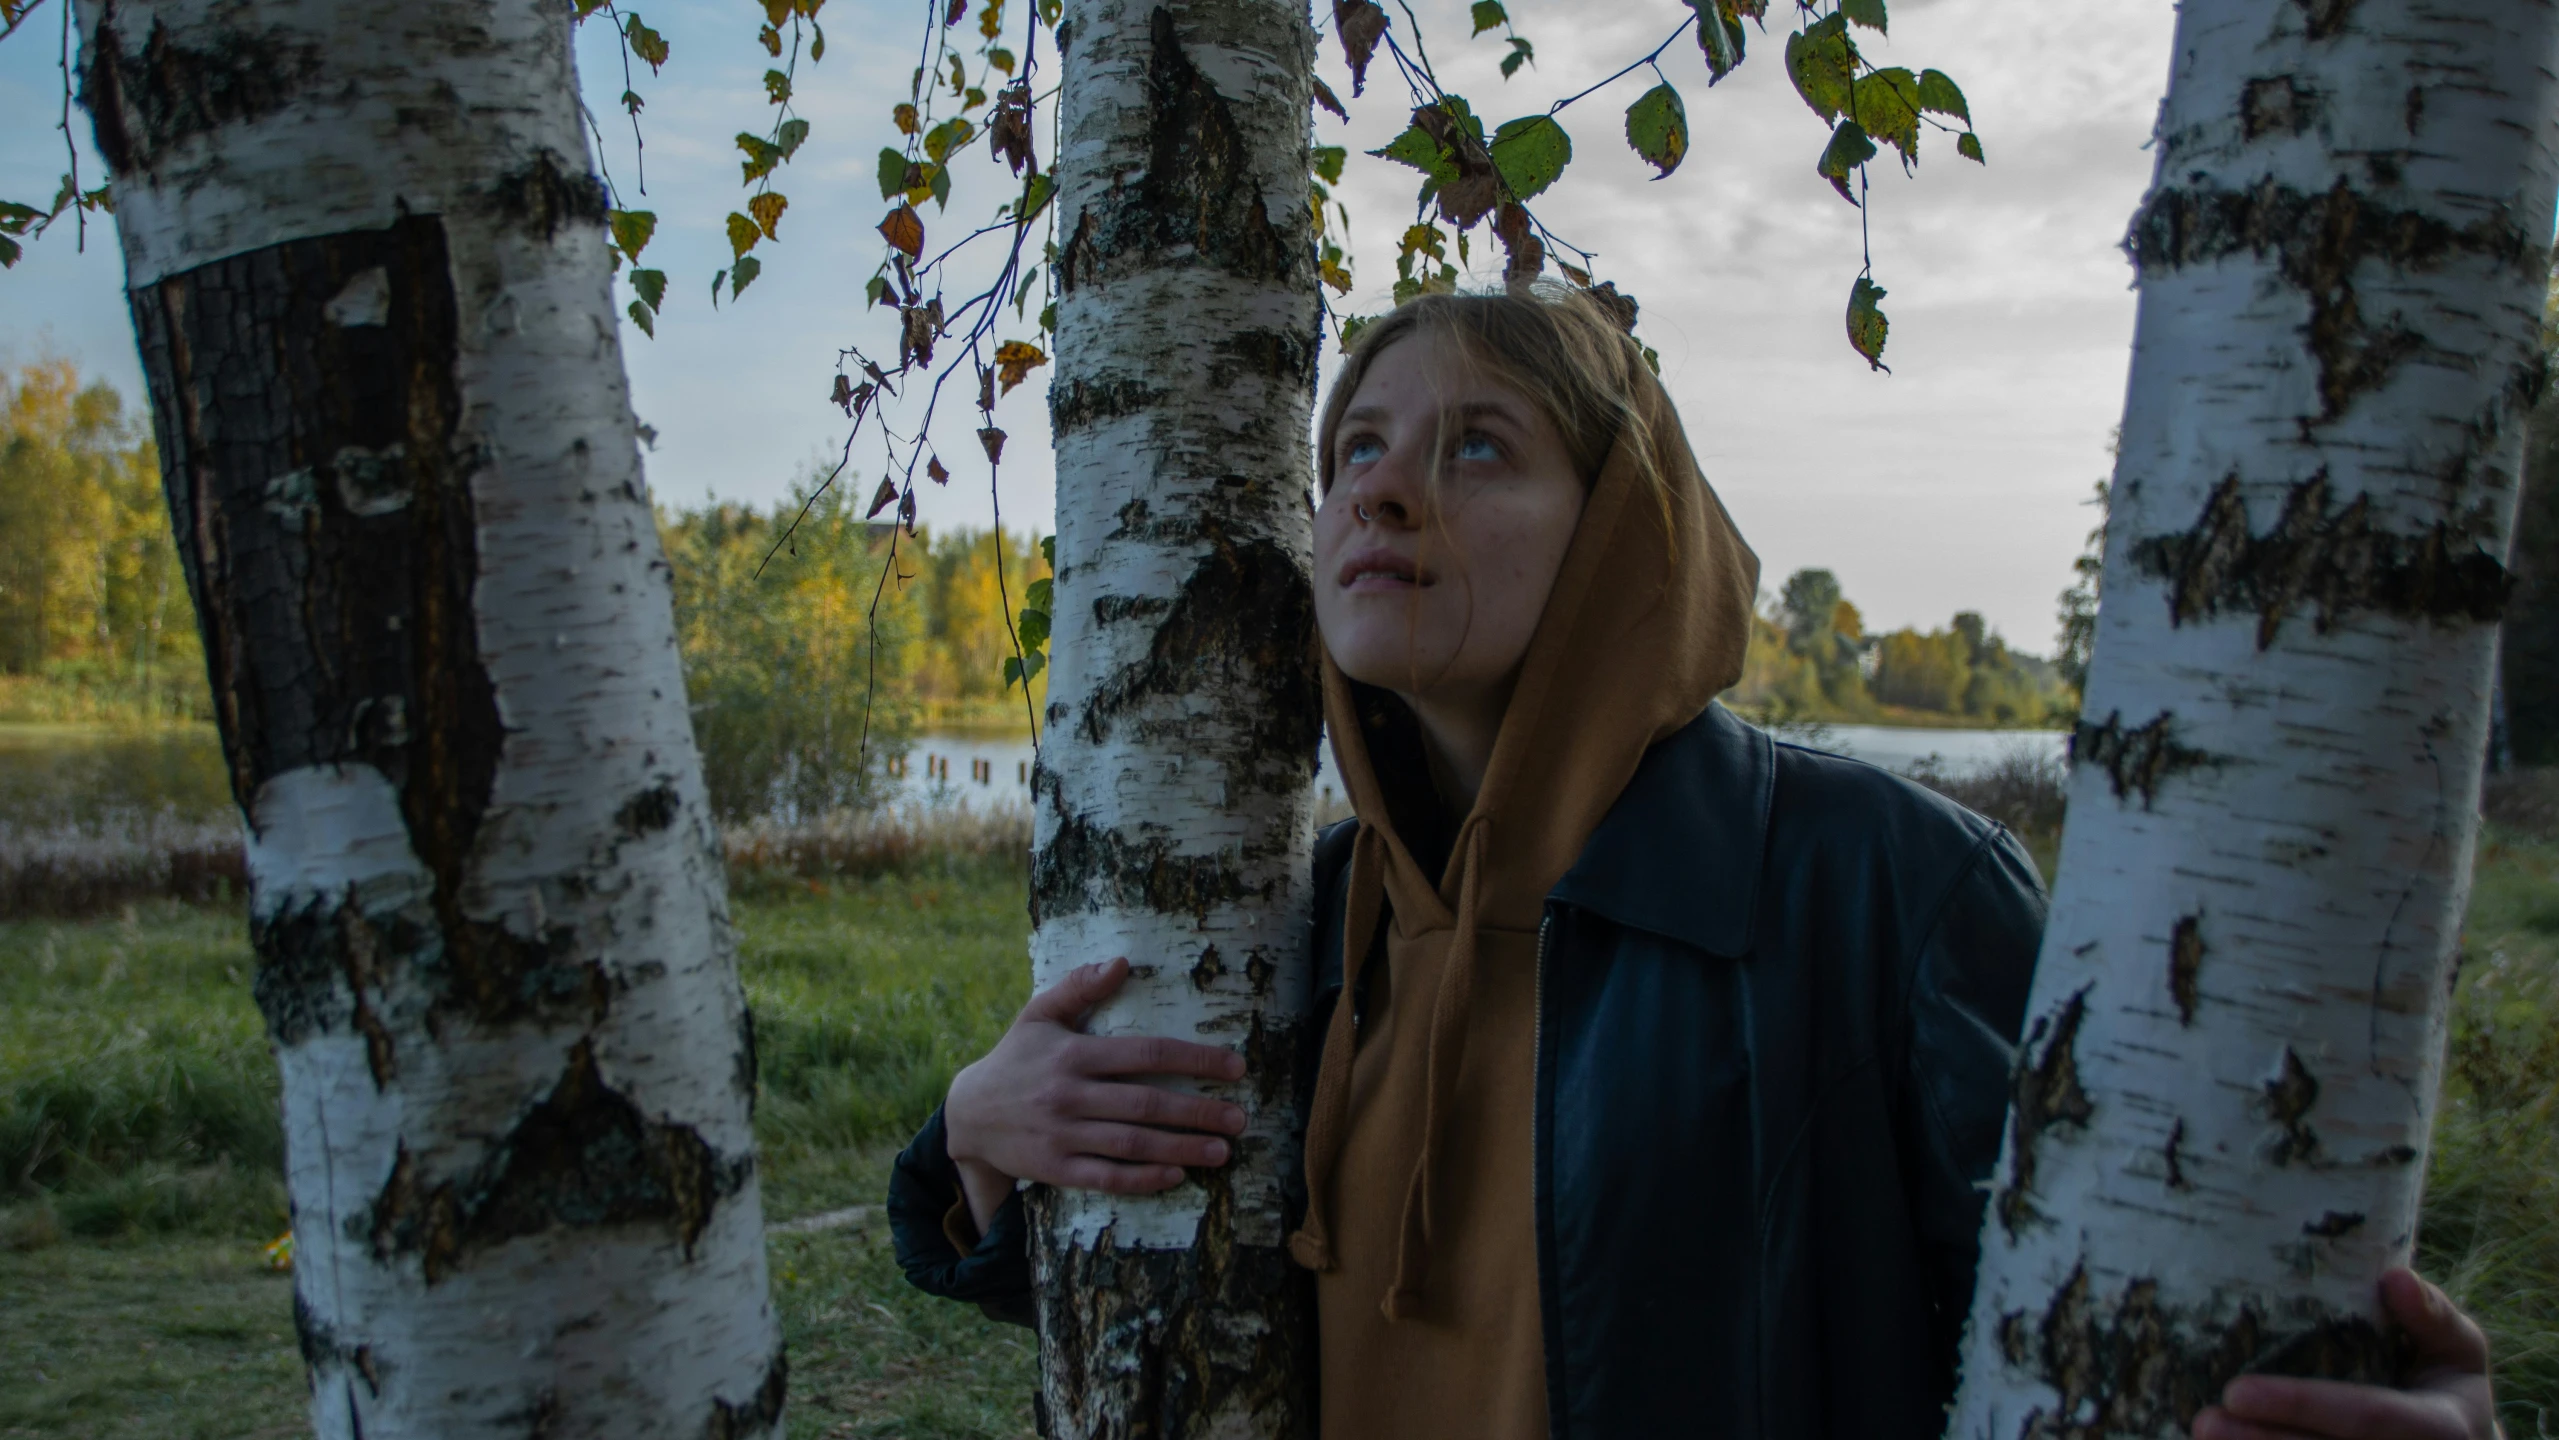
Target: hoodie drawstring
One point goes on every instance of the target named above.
(1447, 1052)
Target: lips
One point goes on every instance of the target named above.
(1381, 569)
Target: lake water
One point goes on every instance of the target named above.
(972, 769)
(53, 775)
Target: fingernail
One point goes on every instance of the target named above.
(1234, 1119)
(1217, 1152)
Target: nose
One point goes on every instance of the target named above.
(1388, 492)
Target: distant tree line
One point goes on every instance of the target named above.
(94, 616)
(1811, 659)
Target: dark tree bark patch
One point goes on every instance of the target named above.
(2175, 1153)
(2142, 1367)
(1245, 615)
(582, 1157)
(1086, 867)
(1198, 202)
(1075, 405)
(1171, 1363)
(143, 102)
(2289, 1098)
(2320, 557)
(2138, 759)
(2277, 105)
(2185, 961)
(2318, 242)
(758, 1414)
(2046, 1092)
(542, 196)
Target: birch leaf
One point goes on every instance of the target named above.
(1359, 24)
(1040, 595)
(794, 134)
(1328, 160)
(1887, 104)
(1848, 148)
(1488, 15)
(1937, 93)
(993, 440)
(1866, 323)
(1822, 61)
(632, 229)
(1657, 127)
(646, 43)
(777, 87)
(904, 229)
(1869, 13)
(761, 156)
(1034, 629)
(767, 209)
(1325, 97)
(907, 123)
(940, 476)
(640, 316)
(1968, 145)
(1522, 53)
(1015, 360)
(892, 173)
(650, 286)
(1530, 152)
(882, 498)
(743, 274)
(743, 233)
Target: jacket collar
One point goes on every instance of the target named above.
(1680, 853)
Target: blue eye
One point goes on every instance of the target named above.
(1477, 445)
(1362, 450)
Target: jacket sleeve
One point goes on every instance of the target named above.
(1967, 999)
(924, 1189)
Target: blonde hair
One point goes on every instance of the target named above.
(1560, 349)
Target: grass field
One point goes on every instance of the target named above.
(138, 1156)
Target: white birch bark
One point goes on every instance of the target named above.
(367, 262)
(2224, 1095)
(1178, 747)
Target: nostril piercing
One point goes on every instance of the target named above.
(1361, 511)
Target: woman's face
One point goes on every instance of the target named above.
(1432, 590)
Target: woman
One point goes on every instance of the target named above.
(1672, 1059)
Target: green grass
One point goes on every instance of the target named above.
(138, 1153)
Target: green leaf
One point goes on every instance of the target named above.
(1012, 670)
(1657, 126)
(716, 277)
(632, 229)
(1848, 148)
(1822, 61)
(1022, 294)
(777, 86)
(1034, 629)
(875, 291)
(1968, 145)
(1489, 15)
(1048, 552)
(1048, 319)
(650, 286)
(646, 43)
(794, 134)
(1040, 594)
(1522, 53)
(640, 316)
(10, 250)
(1328, 162)
(743, 233)
(1939, 95)
(1033, 664)
(892, 173)
(1035, 197)
(1530, 152)
(1719, 37)
(761, 156)
(1869, 13)
(1416, 148)
(1888, 106)
(743, 274)
(817, 41)
(1866, 324)
(942, 186)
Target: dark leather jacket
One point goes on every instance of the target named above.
(1777, 1002)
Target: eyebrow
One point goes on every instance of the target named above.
(1469, 410)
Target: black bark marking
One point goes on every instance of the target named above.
(142, 103)
(2278, 105)
(1086, 867)
(2175, 1150)
(2334, 1224)
(2323, 19)
(759, 1414)
(2316, 555)
(1197, 203)
(650, 811)
(583, 1157)
(2186, 952)
(1264, 355)
(2044, 1092)
(1244, 618)
(2141, 1367)
(543, 195)
(2318, 241)
(1169, 1360)
(2136, 760)
(1074, 405)
(2289, 1098)
(750, 1077)
(1206, 972)
(1258, 970)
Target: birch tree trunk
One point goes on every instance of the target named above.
(1179, 740)
(2224, 1094)
(367, 264)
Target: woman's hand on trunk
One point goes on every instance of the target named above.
(2446, 1397)
(1052, 1104)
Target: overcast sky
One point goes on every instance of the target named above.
(1956, 482)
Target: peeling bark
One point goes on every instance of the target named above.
(367, 271)
(1179, 746)
(2215, 1151)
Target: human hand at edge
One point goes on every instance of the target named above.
(1046, 1103)
(2447, 1395)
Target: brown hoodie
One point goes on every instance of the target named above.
(1419, 1145)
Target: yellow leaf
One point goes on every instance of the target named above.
(903, 228)
(1015, 360)
(767, 209)
(905, 117)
